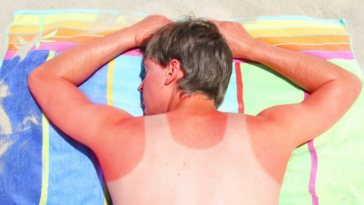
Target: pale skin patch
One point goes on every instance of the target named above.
(174, 172)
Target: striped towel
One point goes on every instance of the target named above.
(39, 164)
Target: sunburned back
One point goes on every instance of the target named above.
(173, 159)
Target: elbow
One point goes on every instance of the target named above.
(357, 84)
(354, 86)
(34, 80)
(31, 80)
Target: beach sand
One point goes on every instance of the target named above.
(214, 9)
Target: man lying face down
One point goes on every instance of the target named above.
(196, 55)
(184, 151)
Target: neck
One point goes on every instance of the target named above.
(195, 103)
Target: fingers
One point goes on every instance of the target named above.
(236, 36)
(160, 18)
(143, 29)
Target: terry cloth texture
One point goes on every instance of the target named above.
(41, 165)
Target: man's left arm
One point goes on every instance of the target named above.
(54, 83)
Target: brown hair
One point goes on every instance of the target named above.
(202, 51)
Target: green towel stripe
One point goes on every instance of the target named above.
(45, 161)
(264, 88)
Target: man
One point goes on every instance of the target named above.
(185, 151)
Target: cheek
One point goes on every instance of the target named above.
(149, 92)
(152, 84)
(153, 95)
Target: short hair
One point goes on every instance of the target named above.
(202, 51)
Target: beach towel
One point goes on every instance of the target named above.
(39, 164)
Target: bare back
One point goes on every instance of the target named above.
(171, 162)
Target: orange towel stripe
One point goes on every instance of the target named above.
(306, 39)
(61, 33)
(327, 47)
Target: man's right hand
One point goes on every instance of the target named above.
(142, 30)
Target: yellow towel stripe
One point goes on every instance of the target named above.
(107, 198)
(52, 18)
(33, 19)
(85, 26)
(296, 32)
(45, 153)
(266, 24)
(110, 75)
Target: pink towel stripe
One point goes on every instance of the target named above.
(236, 60)
(306, 95)
(314, 165)
(57, 47)
(347, 55)
(134, 52)
(9, 55)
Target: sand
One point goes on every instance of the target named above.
(321, 9)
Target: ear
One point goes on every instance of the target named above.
(174, 71)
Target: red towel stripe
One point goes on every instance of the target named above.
(239, 86)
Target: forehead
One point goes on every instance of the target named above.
(148, 61)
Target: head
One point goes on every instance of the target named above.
(198, 50)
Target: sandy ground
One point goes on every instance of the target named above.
(215, 9)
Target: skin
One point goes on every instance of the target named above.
(185, 151)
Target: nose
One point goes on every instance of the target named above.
(140, 88)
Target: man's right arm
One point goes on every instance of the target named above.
(333, 89)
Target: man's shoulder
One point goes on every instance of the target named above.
(129, 126)
(131, 120)
(138, 124)
(130, 123)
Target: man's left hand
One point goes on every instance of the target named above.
(143, 29)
